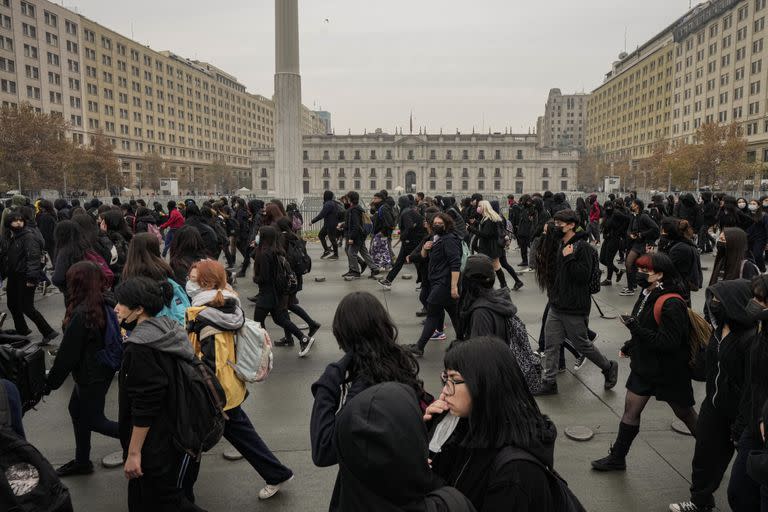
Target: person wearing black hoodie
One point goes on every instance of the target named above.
(524, 227)
(484, 423)
(717, 430)
(660, 354)
(382, 451)
(354, 236)
(675, 242)
(21, 256)
(708, 219)
(412, 231)
(160, 476)
(195, 219)
(570, 303)
(46, 223)
(757, 233)
(688, 209)
(329, 214)
(255, 211)
(547, 201)
(642, 231)
(559, 203)
(614, 228)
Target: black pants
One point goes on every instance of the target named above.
(281, 318)
(713, 453)
(239, 431)
(524, 242)
(86, 408)
(246, 259)
(397, 266)
(436, 319)
(506, 266)
(165, 489)
(758, 252)
(706, 242)
(332, 237)
(293, 307)
(21, 301)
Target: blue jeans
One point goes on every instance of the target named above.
(168, 240)
(239, 431)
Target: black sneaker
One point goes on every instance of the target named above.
(386, 284)
(352, 276)
(240, 274)
(284, 342)
(253, 298)
(325, 255)
(422, 312)
(415, 350)
(547, 389)
(73, 468)
(610, 463)
(518, 285)
(305, 345)
(606, 282)
(345, 274)
(522, 264)
(375, 273)
(611, 375)
(50, 337)
(333, 257)
(313, 329)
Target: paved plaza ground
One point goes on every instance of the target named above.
(659, 464)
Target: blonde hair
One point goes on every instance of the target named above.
(488, 211)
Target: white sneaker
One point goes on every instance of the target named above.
(627, 292)
(270, 490)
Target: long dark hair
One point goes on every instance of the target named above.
(366, 332)
(503, 410)
(546, 258)
(728, 261)
(269, 244)
(69, 238)
(116, 223)
(144, 259)
(88, 228)
(85, 285)
(477, 280)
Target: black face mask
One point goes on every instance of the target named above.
(720, 246)
(756, 312)
(642, 280)
(17, 229)
(664, 243)
(129, 325)
(717, 311)
(438, 230)
(558, 232)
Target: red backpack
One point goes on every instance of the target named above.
(109, 276)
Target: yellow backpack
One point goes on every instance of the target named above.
(217, 349)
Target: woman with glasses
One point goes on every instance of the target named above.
(659, 353)
(368, 337)
(489, 438)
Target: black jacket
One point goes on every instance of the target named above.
(444, 258)
(77, 354)
(382, 449)
(46, 223)
(688, 209)
(267, 265)
(209, 236)
(728, 357)
(709, 213)
(487, 315)
(412, 229)
(353, 225)
(660, 353)
(570, 293)
(329, 215)
(383, 217)
(518, 485)
(142, 223)
(486, 239)
(23, 255)
(644, 227)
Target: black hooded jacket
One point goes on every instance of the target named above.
(728, 356)
(570, 292)
(688, 209)
(382, 448)
(487, 315)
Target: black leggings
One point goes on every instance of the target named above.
(86, 408)
(281, 318)
(629, 264)
(436, 320)
(506, 266)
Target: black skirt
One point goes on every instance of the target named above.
(674, 394)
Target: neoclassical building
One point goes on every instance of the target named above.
(460, 164)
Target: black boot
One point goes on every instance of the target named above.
(501, 278)
(616, 459)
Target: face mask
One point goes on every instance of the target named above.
(753, 207)
(257, 239)
(720, 246)
(192, 288)
(717, 311)
(438, 230)
(479, 211)
(765, 204)
(558, 232)
(129, 325)
(642, 280)
(664, 243)
(16, 229)
(756, 312)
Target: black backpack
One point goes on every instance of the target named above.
(564, 499)
(448, 499)
(28, 482)
(286, 282)
(297, 255)
(200, 402)
(23, 363)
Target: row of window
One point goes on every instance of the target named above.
(411, 154)
(432, 185)
(341, 173)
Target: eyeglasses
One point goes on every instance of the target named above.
(449, 384)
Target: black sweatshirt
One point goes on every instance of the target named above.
(570, 292)
(77, 354)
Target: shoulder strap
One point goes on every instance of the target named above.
(511, 453)
(660, 304)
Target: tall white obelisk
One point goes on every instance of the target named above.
(288, 144)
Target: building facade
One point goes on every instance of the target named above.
(144, 101)
(495, 164)
(563, 124)
(711, 65)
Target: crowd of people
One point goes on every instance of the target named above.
(160, 282)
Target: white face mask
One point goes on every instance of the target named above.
(192, 288)
(257, 239)
(765, 204)
(753, 207)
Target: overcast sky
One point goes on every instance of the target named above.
(456, 64)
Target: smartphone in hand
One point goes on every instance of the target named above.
(625, 319)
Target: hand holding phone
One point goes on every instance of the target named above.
(626, 319)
